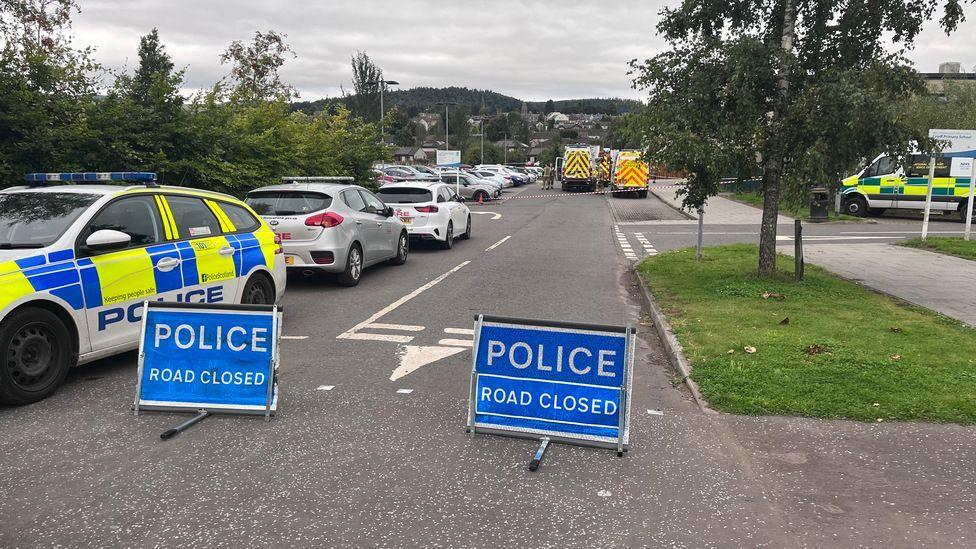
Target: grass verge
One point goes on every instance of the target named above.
(803, 212)
(958, 247)
(845, 352)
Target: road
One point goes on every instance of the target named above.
(369, 447)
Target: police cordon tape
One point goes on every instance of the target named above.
(588, 193)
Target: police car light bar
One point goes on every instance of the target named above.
(91, 177)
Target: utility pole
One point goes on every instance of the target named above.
(506, 148)
(382, 84)
(447, 122)
(483, 138)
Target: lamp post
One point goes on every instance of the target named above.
(382, 84)
(482, 140)
(447, 122)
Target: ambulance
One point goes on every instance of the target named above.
(888, 182)
(81, 252)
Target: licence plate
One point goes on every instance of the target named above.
(407, 220)
(289, 260)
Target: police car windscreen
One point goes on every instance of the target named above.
(287, 202)
(36, 219)
(404, 195)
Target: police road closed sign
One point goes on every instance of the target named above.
(219, 358)
(565, 381)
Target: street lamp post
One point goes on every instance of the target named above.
(482, 140)
(382, 84)
(447, 122)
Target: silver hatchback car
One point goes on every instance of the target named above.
(329, 224)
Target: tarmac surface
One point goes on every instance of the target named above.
(355, 459)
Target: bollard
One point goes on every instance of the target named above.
(798, 250)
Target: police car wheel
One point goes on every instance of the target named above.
(467, 231)
(448, 237)
(403, 248)
(258, 291)
(35, 346)
(354, 267)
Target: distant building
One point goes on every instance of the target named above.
(409, 155)
(534, 154)
(948, 72)
(511, 144)
(557, 117)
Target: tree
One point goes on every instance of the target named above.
(550, 107)
(254, 68)
(794, 90)
(366, 77)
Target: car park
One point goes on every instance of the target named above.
(329, 224)
(411, 173)
(471, 188)
(79, 256)
(430, 211)
(517, 179)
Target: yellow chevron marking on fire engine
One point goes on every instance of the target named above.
(13, 284)
(125, 275)
(211, 265)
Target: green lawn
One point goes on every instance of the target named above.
(845, 352)
(952, 246)
(754, 199)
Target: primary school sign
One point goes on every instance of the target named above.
(568, 382)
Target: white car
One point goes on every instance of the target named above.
(77, 262)
(430, 211)
(498, 178)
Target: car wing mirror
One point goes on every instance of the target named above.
(107, 239)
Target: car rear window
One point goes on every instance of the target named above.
(404, 195)
(287, 202)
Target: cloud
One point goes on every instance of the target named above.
(532, 50)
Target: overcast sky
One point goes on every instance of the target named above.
(533, 50)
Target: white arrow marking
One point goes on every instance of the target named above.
(493, 214)
(413, 357)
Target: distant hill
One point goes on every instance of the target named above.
(425, 99)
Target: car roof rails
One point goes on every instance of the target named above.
(80, 178)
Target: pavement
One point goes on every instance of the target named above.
(369, 447)
(865, 252)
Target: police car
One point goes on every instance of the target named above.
(77, 261)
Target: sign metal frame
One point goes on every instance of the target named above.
(620, 444)
(270, 407)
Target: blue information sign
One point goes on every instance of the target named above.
(551, 379)
(219, 358)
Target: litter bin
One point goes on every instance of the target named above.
(819, 204)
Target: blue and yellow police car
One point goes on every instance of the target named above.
(81, 252)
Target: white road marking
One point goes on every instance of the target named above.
(493, 214)
(604, 493)
(325, 387)
(404, 391)
(457, 342)
(459, 331)
(376, 337)
(352, 332)
(655, 412)
(497, 244)
(782, 238)
(401, 327)
(294, 337)
(413, 357)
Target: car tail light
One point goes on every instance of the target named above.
(426, 209)
(278, 248)
(326, 219)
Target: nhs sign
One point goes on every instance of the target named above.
(565, 381)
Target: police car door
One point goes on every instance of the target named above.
(116, 282)
(209, 266)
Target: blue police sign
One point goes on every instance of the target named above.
(219, 358)
(565, 381)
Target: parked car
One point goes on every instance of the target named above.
(472, 188)
(523, 171)
(416, 173)
(503, 180)
(430, 211)
(78, 259)
(516, 178)
(331, 225)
